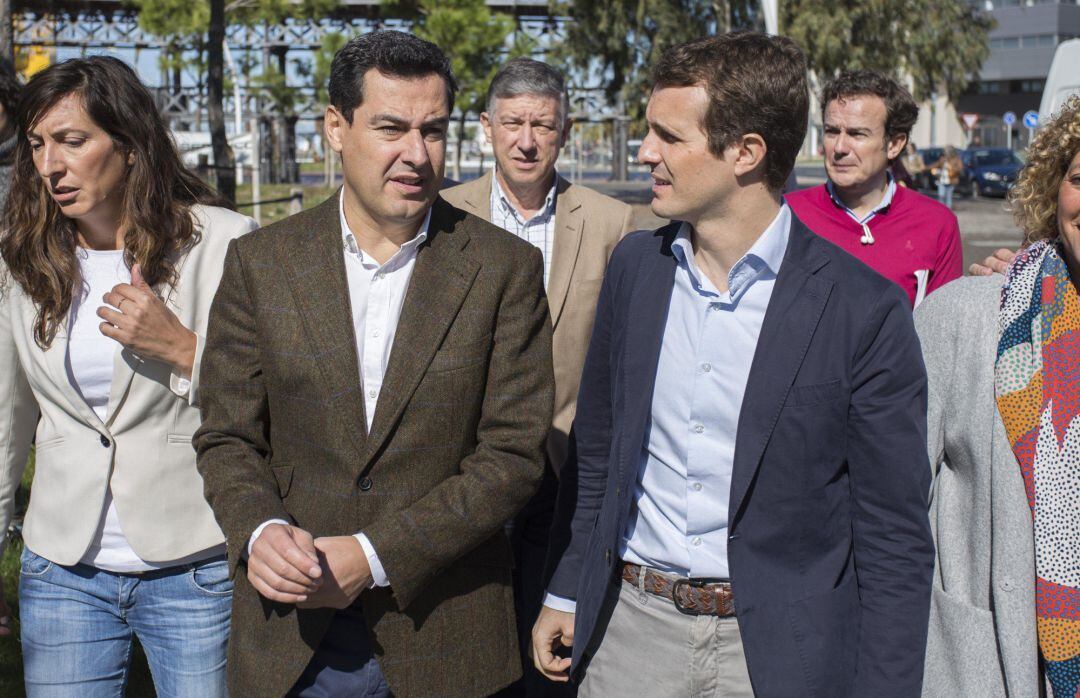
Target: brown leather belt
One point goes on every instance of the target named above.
(694, 597)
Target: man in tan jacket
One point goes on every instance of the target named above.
(527, 122)
(377, 388)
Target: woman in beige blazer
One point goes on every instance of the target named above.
(110, 263)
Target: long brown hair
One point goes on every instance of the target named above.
(38, 241)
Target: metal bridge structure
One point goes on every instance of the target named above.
(85, 26)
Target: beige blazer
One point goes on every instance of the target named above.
(587, 227)
(143, 448)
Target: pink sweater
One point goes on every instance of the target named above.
(914, 233)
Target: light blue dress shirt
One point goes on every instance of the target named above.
(679, 523)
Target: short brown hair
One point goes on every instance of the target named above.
(756, 84)
(900, 109)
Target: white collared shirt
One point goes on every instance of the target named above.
(376, 297)
(538, 230)
(885, 202)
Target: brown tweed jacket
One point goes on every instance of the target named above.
(455, 448)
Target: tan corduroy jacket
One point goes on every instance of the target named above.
(455, 447)
(588, 225)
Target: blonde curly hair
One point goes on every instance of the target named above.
(1033, 199)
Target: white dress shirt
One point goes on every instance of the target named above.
(376, 296)
(679, 524)
(538, 230)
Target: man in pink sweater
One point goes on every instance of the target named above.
(906, 237)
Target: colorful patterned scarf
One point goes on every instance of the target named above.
(1037, 382)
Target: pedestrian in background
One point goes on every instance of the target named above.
(915, 166)
(111, 257)
(949, 168)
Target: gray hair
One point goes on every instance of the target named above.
(525, 76)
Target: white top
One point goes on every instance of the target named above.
(538, 230)
(376, 296)
(90, 356)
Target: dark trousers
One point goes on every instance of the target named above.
(529, 536)
(344, 664)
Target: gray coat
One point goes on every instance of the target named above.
(982, 639)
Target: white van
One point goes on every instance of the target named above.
(1063, 79)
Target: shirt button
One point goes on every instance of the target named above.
(695, 541)
(105, 441)
(706, 367)
(364, 484)
(376, 333)
(372, 393)
(697, 486)
(698, 429)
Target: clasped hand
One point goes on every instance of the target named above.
(287, 565)
(140, 321)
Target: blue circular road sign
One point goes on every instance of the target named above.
(1008, 118)
(1031, 119)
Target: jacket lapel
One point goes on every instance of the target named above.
(314, 266)
(645, 319)
(569, 224)
(794, 310)
(124, 366)
(56, 359)
(477, 196)
(440, 282)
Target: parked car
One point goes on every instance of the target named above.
(927, 180)
(989, 171)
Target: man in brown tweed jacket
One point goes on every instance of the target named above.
(377, 388)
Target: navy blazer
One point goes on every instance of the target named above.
(829, 547)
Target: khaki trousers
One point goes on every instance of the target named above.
(652, 650)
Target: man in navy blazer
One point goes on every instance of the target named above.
(744, 511)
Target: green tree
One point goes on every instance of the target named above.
(940, 44)
(619, 40)
(188, 30)
(476, 40)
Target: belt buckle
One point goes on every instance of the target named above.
(693, 583)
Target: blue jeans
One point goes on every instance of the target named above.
(77, 625)
(945, 192)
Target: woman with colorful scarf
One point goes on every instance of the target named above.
(1004, 436)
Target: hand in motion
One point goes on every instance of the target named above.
(284, 565)
(143, 324)
(997, 263)
(553, 629)
(347, 572)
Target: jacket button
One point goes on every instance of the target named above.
(607, 557)
(733, 537)
(364, 484)
(105, 441)
(1007, 584)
